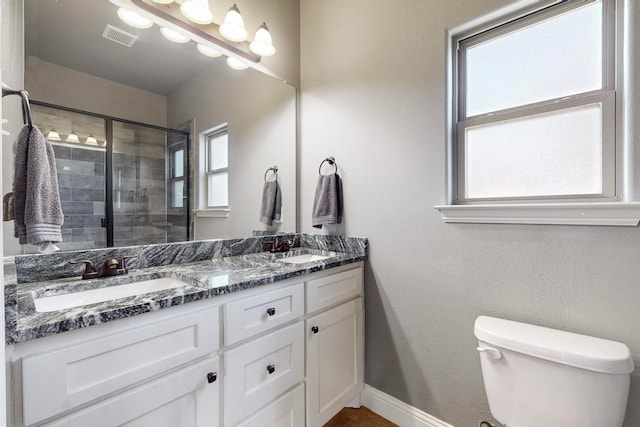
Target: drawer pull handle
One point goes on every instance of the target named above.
(271, 311)
(271, 369)
(211, 377)
(315, 329)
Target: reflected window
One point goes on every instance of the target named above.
(217, 168)
(177, 177)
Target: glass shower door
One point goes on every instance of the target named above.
(145, 185)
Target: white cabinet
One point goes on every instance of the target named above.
(187, 398)
(292, 356)
(335, 360)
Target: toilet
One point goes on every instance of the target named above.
(541, 377)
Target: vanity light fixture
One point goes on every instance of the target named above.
(184, 23)
(236, 63)
(174, 36)
(197, 11)
(134, 19)
(233, 26)
(53, 135)
(207, 50)
(91, 140)
(73, 137)
(261, 44)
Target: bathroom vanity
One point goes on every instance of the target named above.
(248, 340)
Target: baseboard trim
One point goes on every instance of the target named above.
(397, 411)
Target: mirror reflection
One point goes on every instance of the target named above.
(144, 168)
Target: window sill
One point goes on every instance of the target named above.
(212, 213)
(603, 213)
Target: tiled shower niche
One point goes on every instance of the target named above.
(139, 210)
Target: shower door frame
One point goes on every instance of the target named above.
(108, 121)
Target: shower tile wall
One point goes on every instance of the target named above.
(81, 176)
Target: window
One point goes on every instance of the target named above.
(536, 108)
(217, 168)
(533, 112)
(177, 178)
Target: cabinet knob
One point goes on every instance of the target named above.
(211, 377)
(271, 369)
(271, 311)
(315, 329)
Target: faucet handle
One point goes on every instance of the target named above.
(122, 262)
(89, 270)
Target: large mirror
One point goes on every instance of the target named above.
(231, 126)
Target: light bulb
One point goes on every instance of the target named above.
(134, 19)
(73, 137)
(233, 26)
(208, 50)
(261, 44)
(236, 63)
(197, 11)
(174, 36)
(53, 135)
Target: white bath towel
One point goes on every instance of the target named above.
(38, 210)
(271, 209)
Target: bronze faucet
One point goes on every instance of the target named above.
(283, 246)
(111, 267)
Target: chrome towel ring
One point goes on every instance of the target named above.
(274, 169)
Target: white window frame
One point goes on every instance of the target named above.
(206, 209)
(608, 208)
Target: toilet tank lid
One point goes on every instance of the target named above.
(567, 348)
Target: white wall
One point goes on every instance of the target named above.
(55, 84)
(373, 95)
(260, 112)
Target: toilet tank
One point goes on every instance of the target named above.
(536, 376)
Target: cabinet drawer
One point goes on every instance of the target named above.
(261, 370)
(184, 398)
(286, 411)
(330, 290)
(57, 381)
(250, 316)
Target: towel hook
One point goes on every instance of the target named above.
(332, 161)
(275, 172)
(26, 109)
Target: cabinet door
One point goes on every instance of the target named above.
(187, 398)
(58, 381)
(335, 360)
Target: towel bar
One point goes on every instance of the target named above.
(26, 109)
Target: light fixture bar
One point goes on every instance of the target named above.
(208, 33)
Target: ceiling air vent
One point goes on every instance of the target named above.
(119, 36)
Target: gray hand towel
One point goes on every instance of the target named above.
(38, 209)
(327, 203)
(271, 203)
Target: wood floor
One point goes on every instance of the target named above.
(360, 417)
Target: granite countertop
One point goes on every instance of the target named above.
(205, 279)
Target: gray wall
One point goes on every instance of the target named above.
(373, 95)
(260, 112)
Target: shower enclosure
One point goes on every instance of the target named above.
(121, 183)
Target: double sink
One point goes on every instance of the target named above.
(49, 303)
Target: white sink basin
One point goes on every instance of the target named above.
(77, 299)
(301, 259)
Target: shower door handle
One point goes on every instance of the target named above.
(103, 222)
